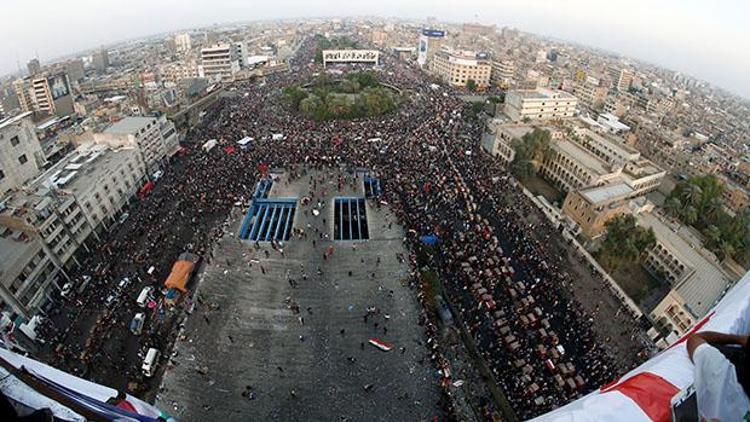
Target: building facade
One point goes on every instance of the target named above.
(48, 226)
(503, 72)
(539, 104)
(457, 68)
(155, 138)
(218, 62)
(21, 155)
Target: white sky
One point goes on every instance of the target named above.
(706, 38)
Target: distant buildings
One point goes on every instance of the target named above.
(456, 68)
(219, 62)
(539, 104)
(622, 79)
(21, 156)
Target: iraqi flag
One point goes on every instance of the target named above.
(386, 347)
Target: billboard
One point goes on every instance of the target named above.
(434, 33)
(58, 85)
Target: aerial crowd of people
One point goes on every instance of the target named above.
(510, 293)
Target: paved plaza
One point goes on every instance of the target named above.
(246, 353)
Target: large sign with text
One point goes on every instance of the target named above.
(350, 56)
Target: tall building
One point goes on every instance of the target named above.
(21, 155)
(51, 94)
(430, 43)
(182, 43)
(539, 104)
(219, 63)
(240, 53)
(100, 60)
(622, 79)
(22, 88)
(590, 93)
(503, 71)
(155, 139)
(456, 68)
(34, 67)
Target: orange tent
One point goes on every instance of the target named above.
(179, 276)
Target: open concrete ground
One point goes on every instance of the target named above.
(246, 354)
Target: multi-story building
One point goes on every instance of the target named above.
(696, 278)
(456, 68)
(430, 43)
(46, 227)
(499, 140)
(590, 93)
(34, 67)
(22, 88)
(45, 93)
(622, 78)
(240, 53)
(503, 72)
(592, 208)
(177, 71)
(21, 155)
(182, 43)
(100, 60)
(155, 138)
(735, 197)
(219, 62)
(539, 104)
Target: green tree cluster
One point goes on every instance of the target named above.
(530, 151)
(625, 242)
(471, 85)
(697, 202)
(358, 95)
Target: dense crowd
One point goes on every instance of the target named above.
(512, 296)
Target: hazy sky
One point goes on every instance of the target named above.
(706, 38)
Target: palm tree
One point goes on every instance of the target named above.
(713, 234)
(673, 205)
(690, 215)
(726, 250)
(692, 194)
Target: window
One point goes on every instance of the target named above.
(2, 175)
(22, 159)
(14, 141)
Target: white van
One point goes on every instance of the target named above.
(143, 296)
(149, 364)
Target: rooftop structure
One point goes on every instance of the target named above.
(458, 67)
(697, 278)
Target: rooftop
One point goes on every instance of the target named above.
(704, 286)
(542, 93)
(130, 125)
(15, 119)
(607, 193)
(582, 156)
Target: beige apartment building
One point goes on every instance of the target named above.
(592, 208)
(503, 72)
(219, 62)
(456, 68)
(155, 138)
(539, 104)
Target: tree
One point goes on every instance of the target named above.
(531, 150)
(673, 206)
(625, 241)
(293, 95)
(471, 85)
(690, 214)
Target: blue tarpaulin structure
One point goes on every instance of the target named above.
(429, 239)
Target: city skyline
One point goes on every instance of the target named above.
(668, 34)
